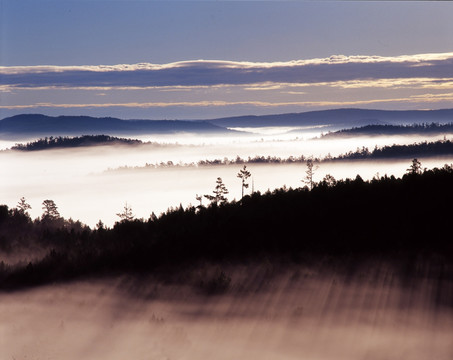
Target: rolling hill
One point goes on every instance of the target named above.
(41, 125)
(380, 130)
(340, 118)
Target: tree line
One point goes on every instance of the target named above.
(422, 149)
(51, 214)
(437, 148)
(386, 129)
(70, 142)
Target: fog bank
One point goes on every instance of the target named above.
(267, 313)
(78, 180)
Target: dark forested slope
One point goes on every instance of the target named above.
(388, 217)
(423, 149)
(379, 130)
(71, 142)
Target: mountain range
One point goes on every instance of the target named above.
(340, 118)
(28, 125)
(42, 125)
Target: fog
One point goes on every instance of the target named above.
(86, 185)
(267, 313)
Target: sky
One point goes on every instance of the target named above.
(208, 59)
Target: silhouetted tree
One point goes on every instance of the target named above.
(126, 214)
(219, 193)
(100, 225)
(415, 168)
(244, 174)
(153, 217)
(23, 206)
(309, 173)
(200, 199)
(329, 180)
(50, 210)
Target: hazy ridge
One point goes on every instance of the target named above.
(42, 125)
(339, 118)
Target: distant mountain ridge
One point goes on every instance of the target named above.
(331, 120)
(42, 125)
(340, 118)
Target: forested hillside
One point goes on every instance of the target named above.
(71, 142)
(401, 218)
(377, 130)
(418, 150)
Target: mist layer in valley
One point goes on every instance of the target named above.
(85, 185)
(321, 307)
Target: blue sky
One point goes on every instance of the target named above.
(218, 58)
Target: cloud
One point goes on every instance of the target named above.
(423, 98)
(395, 83)
(334, 69)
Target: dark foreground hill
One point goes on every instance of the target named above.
(402, 220)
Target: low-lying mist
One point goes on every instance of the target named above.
(267, 312)
(312, 308)
(84, 188)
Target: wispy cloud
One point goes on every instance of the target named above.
(337, 69)
(395, 83)
(202, 88)
(425, 98)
